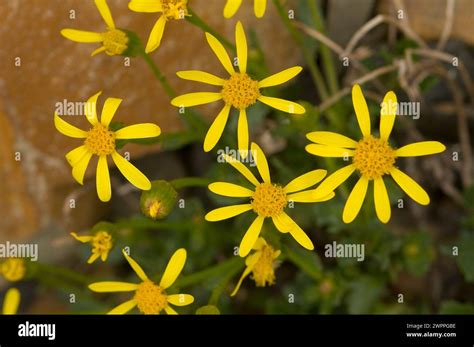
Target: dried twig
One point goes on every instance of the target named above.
(448, 24)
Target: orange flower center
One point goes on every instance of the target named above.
(174, 9)
(150, 298)
(115, 42)
(100, 140)
(240, 91)
(373, 157)
(102, 242)
(13, 269)
(269, 200)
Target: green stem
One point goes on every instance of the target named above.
(41, 272)
(145, 223)
(297, 37)
(219, 289)
(223, 268)
(186, 182)
(300, 262)
(197, 21)
(159, 76)
(327, 59)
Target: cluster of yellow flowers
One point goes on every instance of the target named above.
(372, 157)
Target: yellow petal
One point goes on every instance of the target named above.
(280, 77)
(243, 134)
(104, 190)
(261, 161)
(82, 36)
(156, 35)
(194, 99)
(230, 189)
(298, 234)
(79, 169)
(200, 76)
(227, 212)
(67, 129)
(304, 181)
(333, 181)
(282, 105)
(131, 173)
(241, 44)
(387, 115)
(98, 50)
(328, 151)
(361, 110)
(124, 308)
(355, 200)
(105, 13)
(231, 8)
(410, 187)
(149, 6)
(11, 301)
(420, 148)
(170, 310)
(93, 258)
(251, 236)
(108, 111)
(82, 239)
(241, 168)
(136, 267)
(259, 244)
(91, 109)
(308, 197)
(173, 269)
(180, 299)
(112, 287)
(281, 223)
(217, 128)
(381, 200)
(246, 272)
(221, 53)
(259, 7)
(138, 131)
(331, 139)
(74, 156)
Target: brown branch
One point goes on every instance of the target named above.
(448, 25)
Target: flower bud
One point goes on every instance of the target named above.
(159, 201)
(208, 310)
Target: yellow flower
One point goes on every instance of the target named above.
(232, 6)
(11, 301)
(13, 269)
(100, 141)
(239, 91)
(114, 41)
(170, 9)
(101, 243)
(150, 298)
(261, 264)
(268, 200)
(372, 157)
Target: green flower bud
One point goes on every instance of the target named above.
(208, 309)
(159, 201)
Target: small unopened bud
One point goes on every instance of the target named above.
(159, 201)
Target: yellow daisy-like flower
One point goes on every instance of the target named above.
(239, 91)
(11, 301)
(101, 243)
(170, 9)
(268, 200)
(114, 41)
(150, 298)
(261, 264)
(372, 157)
(232, 6)
(13, 269)
(100, 141)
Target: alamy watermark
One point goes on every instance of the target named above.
(345, 250)
(402, 108)
(19, 250)
(74, 108)
(235, 155)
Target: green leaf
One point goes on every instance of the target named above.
(418, 252)
(307, 261)
(455, 307)
(466, 256)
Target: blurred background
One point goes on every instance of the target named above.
(421, 49)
